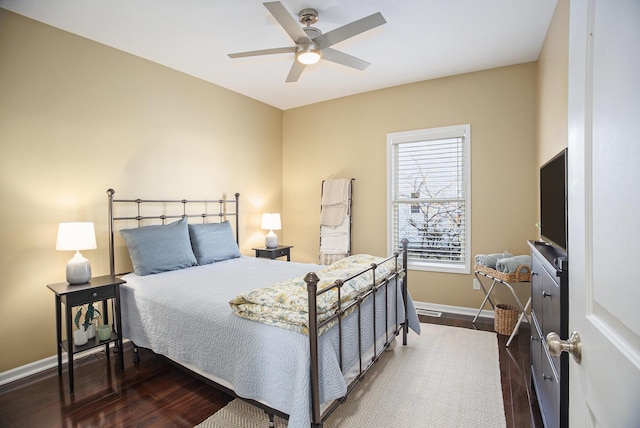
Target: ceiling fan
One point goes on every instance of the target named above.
(310, 44)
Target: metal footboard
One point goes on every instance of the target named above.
(399, 274)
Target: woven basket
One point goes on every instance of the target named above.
(517, 276)
(506, 319)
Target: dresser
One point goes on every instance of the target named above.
(550, 313)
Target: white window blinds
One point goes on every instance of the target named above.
(429, 196)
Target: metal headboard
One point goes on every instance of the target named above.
(220, 210)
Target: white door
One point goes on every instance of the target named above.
(604, 211)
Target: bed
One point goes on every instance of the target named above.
(200, 315)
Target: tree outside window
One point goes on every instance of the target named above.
(429, 196)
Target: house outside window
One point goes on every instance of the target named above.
(429, 197)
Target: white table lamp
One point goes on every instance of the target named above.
(271, 222)
(75, 237)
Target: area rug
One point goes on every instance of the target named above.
(446, 377)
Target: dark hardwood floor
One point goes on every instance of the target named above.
(154, 393)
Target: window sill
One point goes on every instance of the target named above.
(438, 267)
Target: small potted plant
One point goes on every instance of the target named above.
(88, 327)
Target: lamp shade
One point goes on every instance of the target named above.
(271, 221)
(76, 236)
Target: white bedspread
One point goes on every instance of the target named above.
(185, 315)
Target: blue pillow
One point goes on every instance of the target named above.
(159, 248)
(213, 242)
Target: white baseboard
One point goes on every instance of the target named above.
(30, 369)
(42, 365)
(460, 310)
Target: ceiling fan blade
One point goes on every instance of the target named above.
(295, 72)
(344, 59)
(286, 21)
(350, 30)
(263, 52)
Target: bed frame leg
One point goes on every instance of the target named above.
(272, 423)
(405, 290)
(136, 356)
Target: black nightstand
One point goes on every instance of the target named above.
(274, 253)
(101, 288)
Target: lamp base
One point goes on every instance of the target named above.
(271, 240)
(78, 269)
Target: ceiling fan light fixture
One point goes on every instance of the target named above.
(308, 55)
(310, 44)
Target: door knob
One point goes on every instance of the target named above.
(573, 346)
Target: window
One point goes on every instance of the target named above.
(429, 197)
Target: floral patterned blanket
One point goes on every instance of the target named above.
(285, 304)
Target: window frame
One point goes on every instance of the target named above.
(430, 134)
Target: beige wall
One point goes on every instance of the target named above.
(76, 118)
(347, 138)
(553, 67)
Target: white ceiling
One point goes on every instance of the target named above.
(422, 39)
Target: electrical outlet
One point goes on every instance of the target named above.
(476, 284)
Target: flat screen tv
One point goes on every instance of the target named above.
(553, 201)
